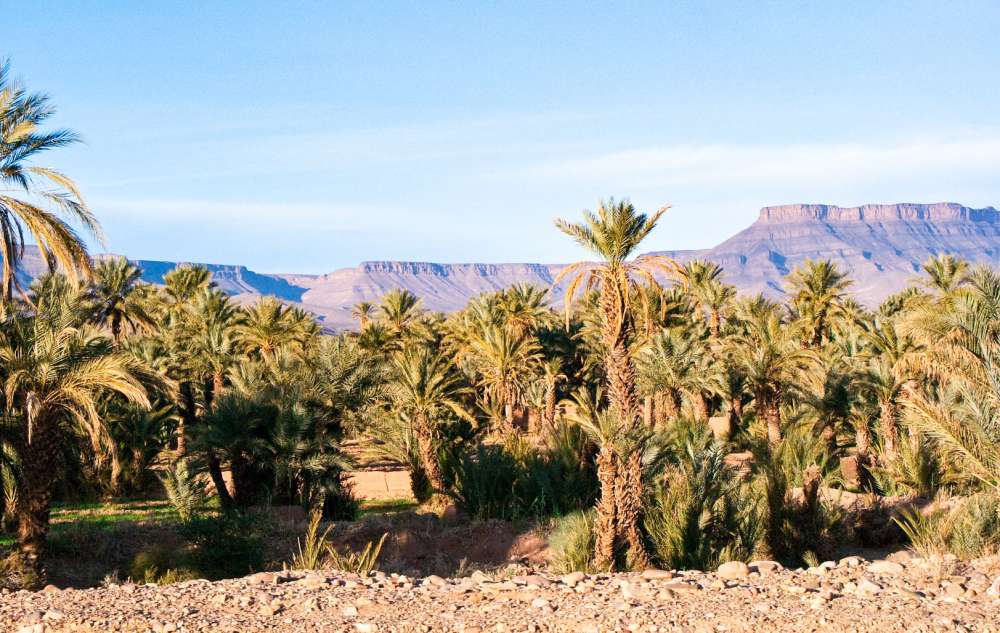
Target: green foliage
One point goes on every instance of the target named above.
(312, 546)
(571, 542)
(363, 562)
(516, 481)
(701, 515)
(970, 529)
(185, 490)
(225, 545)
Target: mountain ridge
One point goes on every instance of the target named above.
(880, 245)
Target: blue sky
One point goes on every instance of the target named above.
(305, 137)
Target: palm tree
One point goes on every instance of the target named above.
(523, 308)
(766, 354)
(677, 361)
(552, 375)
(818, 290)
(892, 368)
(115, 284)
(45, 210)
(54, 371)
(505, 362)
(182, 283)
(945, 274)
(425, 387)
(363, 311)
(613, 234)
(400, 308)
(960, 414)
(267, 326)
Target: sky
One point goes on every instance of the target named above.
(310, 136)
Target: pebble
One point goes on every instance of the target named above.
(886, 567)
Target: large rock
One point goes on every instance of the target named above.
(733, 570)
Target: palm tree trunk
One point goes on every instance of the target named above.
(659, 410)
(862, 439)
(215, 472)
(715, 323)
(508, 419)
(889, 428)
(769, 403)
(39, 460)
(187, 417)
(549, 422)
(425, 444)
(607, 512)
(628, 491)
(647, 412)
(735, 413)
(700, 405)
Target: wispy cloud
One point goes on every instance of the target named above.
(799, 165)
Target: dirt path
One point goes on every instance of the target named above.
(848, 595)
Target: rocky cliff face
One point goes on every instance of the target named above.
(881, 245)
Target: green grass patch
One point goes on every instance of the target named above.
(386, 506)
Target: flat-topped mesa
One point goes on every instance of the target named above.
(940, 211)
(445, 270)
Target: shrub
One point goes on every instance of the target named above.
(701, 515)
(185, 490)
(356, 562)
(969, 530)
(312, 546)
(572, 541)
(517, 481)
(226, 545)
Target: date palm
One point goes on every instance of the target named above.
(766, 353)
(945, 274)
(400, 309)
(894, 362)
(818, 290)
(505, 363)
(613, 234)
(119, 301)
(426, 387)
(36, 200)
(54, 371)
(363, 311)
(267, 326)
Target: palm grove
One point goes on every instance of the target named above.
(659, 419)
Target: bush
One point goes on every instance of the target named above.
(969, 530)
(226, 545)
(185, 490)
(571, 543)
(701, 515)
(517, 481)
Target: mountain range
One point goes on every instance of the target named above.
(881, 245)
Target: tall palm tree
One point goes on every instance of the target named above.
(613, 234)
(505, 363)
(767, 355)
(36, 200)
(267, 326)
(894, 361)
(118, 302)
(400, 308)
(551, 375)
(363, 311)
(426, 387)
(945, 274)
(54, 370)
(818, 290)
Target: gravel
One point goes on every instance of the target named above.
(849, 595)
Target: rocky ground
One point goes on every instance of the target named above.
(901, 593)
